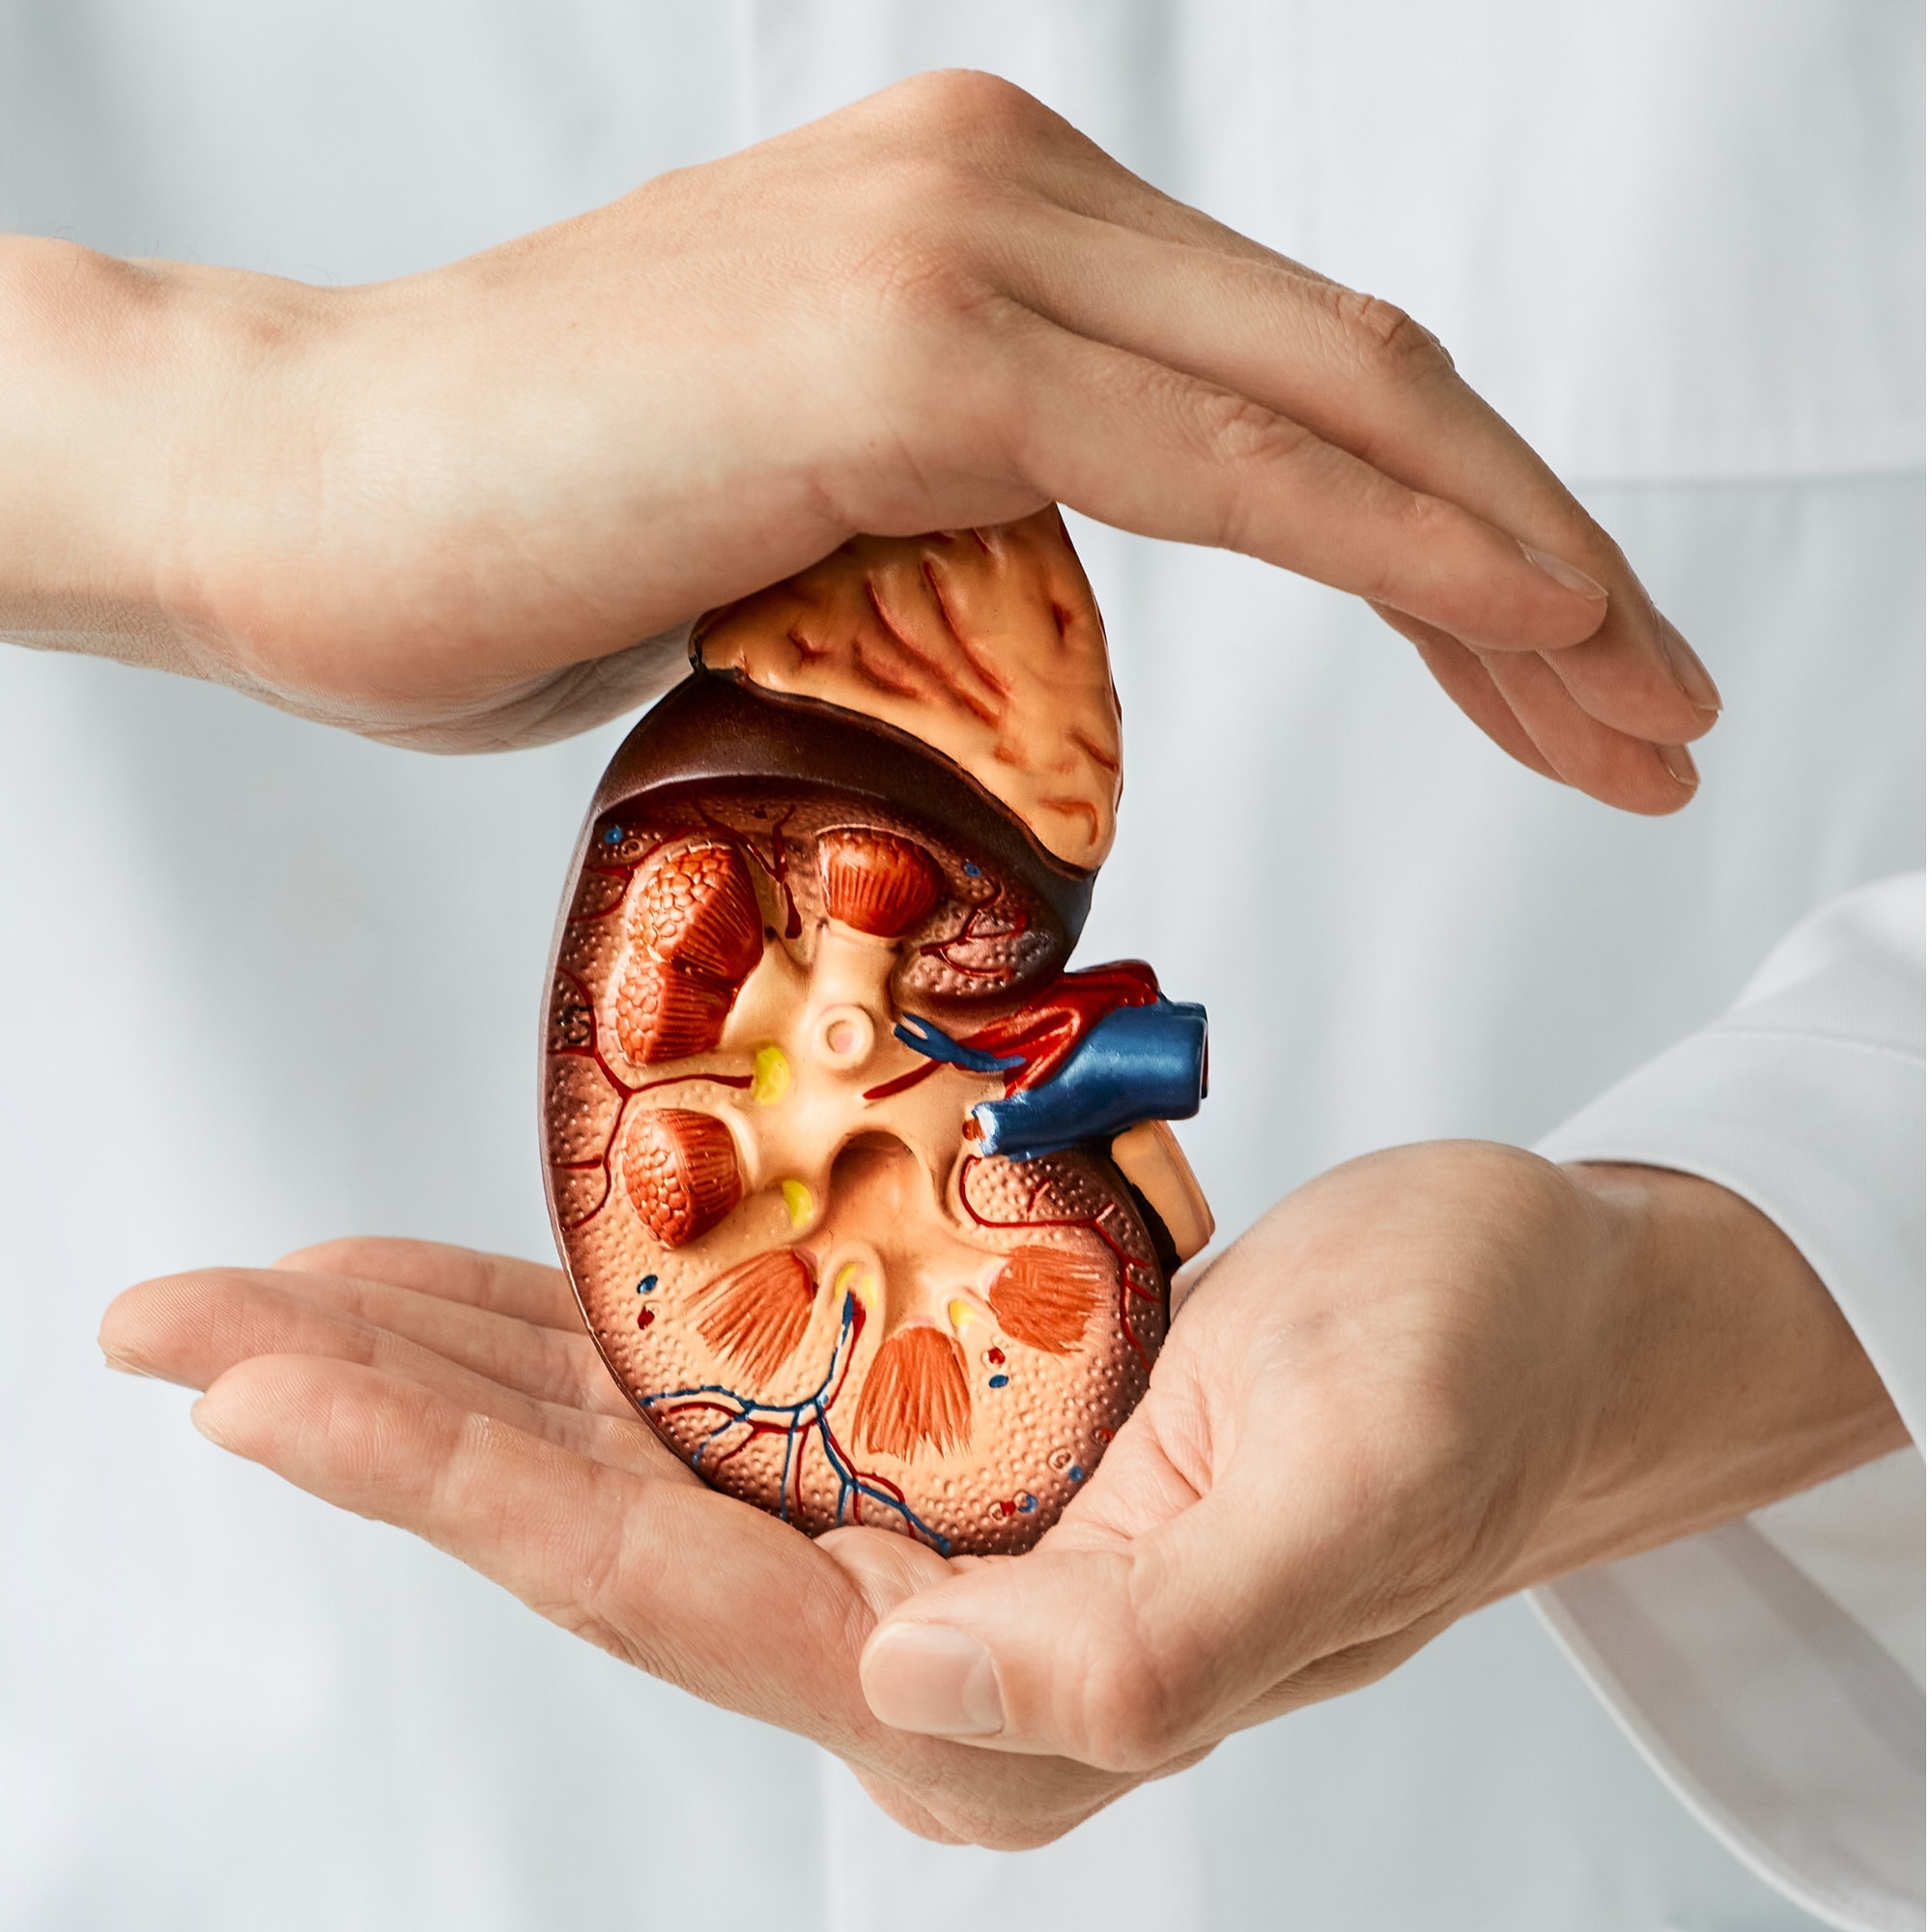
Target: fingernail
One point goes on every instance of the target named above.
(925, 1677)
(1566, 574)
(120, 1364)
(1688, 667)
(1678, 762)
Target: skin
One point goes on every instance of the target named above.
(1427, 1379)
(444, 510)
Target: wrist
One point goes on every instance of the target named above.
(148, 395)
(1725, 1375)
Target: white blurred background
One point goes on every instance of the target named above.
(261, 984)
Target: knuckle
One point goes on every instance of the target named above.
(1428, 521)
(1422, 528)
(919, 250)
(917, 263)
(917, 275)
(964, 104)
(1137, 1712)
(1391, 338)
(926, 216)
(594, 1609)
(1239, 430)
(1240, 436)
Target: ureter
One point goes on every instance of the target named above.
(1734, 1380)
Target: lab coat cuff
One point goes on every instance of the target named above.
(1765, 1700)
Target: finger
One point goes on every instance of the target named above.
(1105, 1655)
(1459, 673)
(214, 1310)
(1645, 777)
(504, 1284)
(696, 1588)
(548, 1364)
(1134, 443)
(1127, 1652)
(677, 1579)
(194, 1328)
(1522, 704)
(1369, 379)
(884, 1569)
(1122, 265)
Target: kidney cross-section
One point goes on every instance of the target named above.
(775, 1006)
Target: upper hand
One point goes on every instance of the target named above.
(446, 510)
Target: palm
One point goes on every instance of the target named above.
(1351, 1429)
(457, 1394)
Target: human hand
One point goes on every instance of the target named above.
(446, 510)
(1427, 1379)
(459, 1395)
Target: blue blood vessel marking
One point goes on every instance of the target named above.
(1135, 1064)
(798, 1422)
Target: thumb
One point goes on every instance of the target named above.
(1123, 1655)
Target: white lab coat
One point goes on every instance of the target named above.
(1679, 244)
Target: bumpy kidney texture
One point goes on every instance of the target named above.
(785, 1241)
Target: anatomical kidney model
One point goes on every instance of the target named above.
(869, 1204)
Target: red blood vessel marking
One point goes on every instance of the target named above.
(673, 919)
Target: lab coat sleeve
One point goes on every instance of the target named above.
(1773, 1671)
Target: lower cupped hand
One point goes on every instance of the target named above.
(459, 1395)
(1426, 1379)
